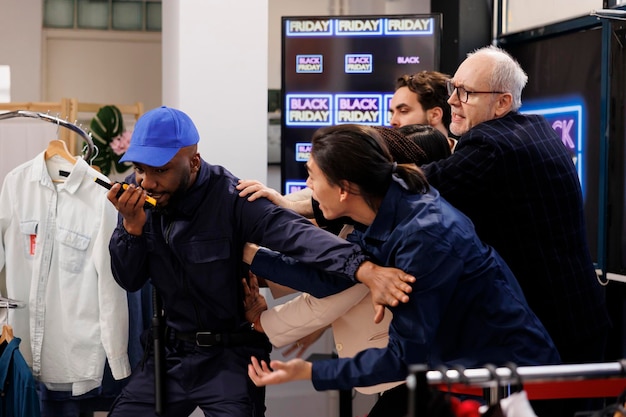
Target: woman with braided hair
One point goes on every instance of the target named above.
(465, 308)
(431, 140)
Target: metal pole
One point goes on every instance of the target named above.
(159, 357)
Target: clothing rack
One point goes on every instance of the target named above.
(74, 110)
(11, 303)
(63, 109)
(587, 380)
(7, 331)
(91, 148)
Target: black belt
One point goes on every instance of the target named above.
(208, 339)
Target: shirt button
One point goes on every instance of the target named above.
(339, 347)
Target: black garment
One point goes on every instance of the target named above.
(394, 403)
(589, 348)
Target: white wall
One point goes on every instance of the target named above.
(520, 15)
(102, 67)
(20, 31)
(278, 9)
(215, 69)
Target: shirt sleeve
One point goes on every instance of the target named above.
(112, 300)
(297, 275)
(301, 316)
(289, 233)
(123, 246)
(467, 172)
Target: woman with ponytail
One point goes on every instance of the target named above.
(465, 307)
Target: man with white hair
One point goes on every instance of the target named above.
(513, 177)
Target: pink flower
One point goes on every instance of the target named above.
(120, 143)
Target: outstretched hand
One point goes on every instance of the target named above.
(389, 286)
(281, 372)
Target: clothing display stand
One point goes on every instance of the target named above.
(7, 304)
(91, 149)
(58, 147)
(542, 382)
(73, 110)
(62, 109)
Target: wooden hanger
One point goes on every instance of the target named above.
(7, 330)
(58, 147)
(7, 333)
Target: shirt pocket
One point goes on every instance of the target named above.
(380, 335)
(72, 250)
(28, 230)
(207, 251)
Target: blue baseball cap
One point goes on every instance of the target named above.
(158, 135)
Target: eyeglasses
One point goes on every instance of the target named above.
(463, 94)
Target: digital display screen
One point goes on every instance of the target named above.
(343, 70)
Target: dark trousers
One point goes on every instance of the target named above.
(392, 403)
(395, 403)
(215, 379)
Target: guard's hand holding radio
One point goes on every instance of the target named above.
(150, 202)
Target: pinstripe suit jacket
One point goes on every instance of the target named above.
(516, 181)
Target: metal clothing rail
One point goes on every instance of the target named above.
(91, 148)
(11, 303)
(588, 380)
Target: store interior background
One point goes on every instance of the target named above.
(217, 61)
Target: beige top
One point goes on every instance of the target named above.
(350, 313)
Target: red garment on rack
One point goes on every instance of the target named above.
(465, 408)
(588, 388)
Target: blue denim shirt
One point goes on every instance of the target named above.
(466, 306)
(17, 384)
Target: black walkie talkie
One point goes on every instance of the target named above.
(150, 201)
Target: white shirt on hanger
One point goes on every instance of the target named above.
(54, 252)
(517, 405)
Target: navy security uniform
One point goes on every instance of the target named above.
(191, 251)
(466, 307)
(515, 180)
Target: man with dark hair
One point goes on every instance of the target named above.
(422, 98)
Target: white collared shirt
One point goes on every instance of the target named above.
(54, 255)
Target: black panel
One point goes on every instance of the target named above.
(466, 27)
